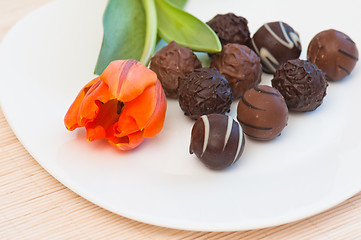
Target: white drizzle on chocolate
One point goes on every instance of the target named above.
(266, 57)
(217, 140)
(291, 39)
(206, 133)
(228, 132)
(240, 142)
(226, 137)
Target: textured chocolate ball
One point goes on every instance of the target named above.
(262, 112)
(230, 28)
(204, 91)
(217, 140)
(334, 53)
(240, 66)
(275, 43)
(171, 64)
(301, 83)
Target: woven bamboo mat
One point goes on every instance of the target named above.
(34, 205)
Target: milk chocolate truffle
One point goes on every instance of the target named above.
(262, 112)
(301, 83)
(171, 64)
(217, 140)
(334, 53)
(230, 28)
(204, 91)
(240, 66)
(275, 43)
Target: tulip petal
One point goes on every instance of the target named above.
(127, 79)
(103, 124)
(71, 116)
(128, 142)
(89, 108)
(156, 121)
(147, 110)
(124, 105)
(126, 125)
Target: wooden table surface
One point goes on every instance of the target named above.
(34, 205)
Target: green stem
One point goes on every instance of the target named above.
(151, 31)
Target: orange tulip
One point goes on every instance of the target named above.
(125, 104)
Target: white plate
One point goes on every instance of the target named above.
(50, 54)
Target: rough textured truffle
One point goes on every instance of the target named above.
(240, 66)
(301, 83)
(262, 112)
(171, 64)
(230, 28)
(204, 91)
(334, 53)
(275, 43)
(217, 140)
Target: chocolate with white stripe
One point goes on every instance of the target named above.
(334, 53)
(217, 140)
(262, 112)
(275, 43)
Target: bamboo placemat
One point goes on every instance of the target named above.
(34, 205)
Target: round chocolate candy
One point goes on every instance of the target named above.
(217, 140)
(301, 83)
(334, 53)
(262, 112)
(230, 28)
(275, 43)
(204, 91)
(240, 66)
(171, 64)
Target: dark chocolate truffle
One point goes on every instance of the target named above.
(275, 43)
(171, 64)
(217, 140)
(240, 66)
(204, 91)
(334, 53)
(301, 83)
(262, 112)
(230, 28)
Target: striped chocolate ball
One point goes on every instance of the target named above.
(262, 112)
(217, 140)
(334, 53)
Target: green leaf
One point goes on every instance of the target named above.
(178, 3)
(187, 30)
(130, 31)
(151, 31)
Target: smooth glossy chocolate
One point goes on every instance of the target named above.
(262, 112)
(171, 64)
(217, 140)
(204, 91)
(301, 83)
(275, 43)
(230, 28)
(240, 66)
(334, 53)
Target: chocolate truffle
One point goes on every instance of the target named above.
(275, 43)
(262, 112)
(334, 53)
(301, 83)
(230, 28)
(204, 91)
(217, 140)
(240, 66)
(171, 64)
